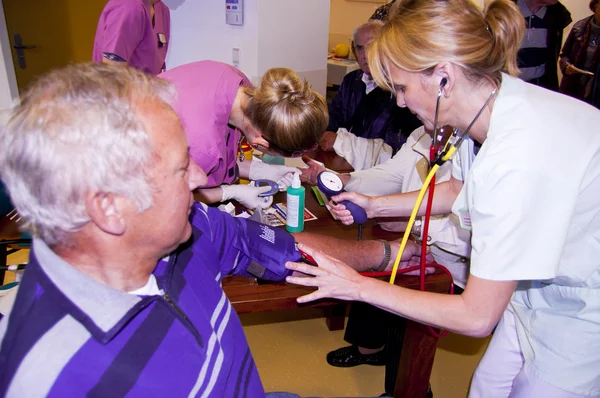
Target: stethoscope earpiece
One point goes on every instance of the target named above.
(443, 82)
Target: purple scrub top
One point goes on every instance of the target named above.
(125, 29)
(205, 94)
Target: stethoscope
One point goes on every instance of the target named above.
(438, 156)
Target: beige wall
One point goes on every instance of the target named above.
(345, 16)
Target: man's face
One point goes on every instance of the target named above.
(363, 38)
(173, 177)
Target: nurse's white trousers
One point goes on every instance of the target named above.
(502, 372)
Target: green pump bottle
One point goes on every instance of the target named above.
(295, 206)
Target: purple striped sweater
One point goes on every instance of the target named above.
(69, 335)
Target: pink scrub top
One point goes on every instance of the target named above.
(205, 94)
(125, 29)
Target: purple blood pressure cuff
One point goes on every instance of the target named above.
(268, 249)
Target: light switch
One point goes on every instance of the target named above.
(235, 57)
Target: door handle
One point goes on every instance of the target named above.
(24, 46)
(19, 47)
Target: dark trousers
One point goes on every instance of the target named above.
(371, 327)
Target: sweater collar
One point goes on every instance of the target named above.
(100, 308)
(369, 83)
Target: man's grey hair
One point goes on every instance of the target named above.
(372, 24)
(78, 130)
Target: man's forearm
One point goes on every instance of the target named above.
(363, 255)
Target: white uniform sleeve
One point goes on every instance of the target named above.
(385, 178)
(361, 153)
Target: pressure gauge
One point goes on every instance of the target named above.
(329, 183)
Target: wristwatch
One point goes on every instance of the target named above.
(417, 228)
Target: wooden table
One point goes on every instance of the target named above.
(10, 240)
(418, 350)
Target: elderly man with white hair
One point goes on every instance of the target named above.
(363, 116)
(122, 294)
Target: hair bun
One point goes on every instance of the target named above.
(287, 92)
(300, 97)
(285, 109)
(284, 84)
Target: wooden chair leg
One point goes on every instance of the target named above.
(416, 361)
(335, 316)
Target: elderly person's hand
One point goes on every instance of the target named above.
(310, 173)
(327, 140)
(411, 257)
(344, 215)
(332, 277)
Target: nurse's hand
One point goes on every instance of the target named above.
(282, 175)
(344, 215)
(332, 278)
(247, 195)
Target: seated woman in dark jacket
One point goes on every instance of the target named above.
(580, 58)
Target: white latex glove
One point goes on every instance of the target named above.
(286, 181)
(282, 175)
(247, 195)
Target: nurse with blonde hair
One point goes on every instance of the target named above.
(530, 196)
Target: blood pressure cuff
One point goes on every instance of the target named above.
(268, 249)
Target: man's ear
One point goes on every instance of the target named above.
(105, 212)
(444, 75)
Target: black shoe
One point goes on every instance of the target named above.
(429, 392)
(349, 356)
